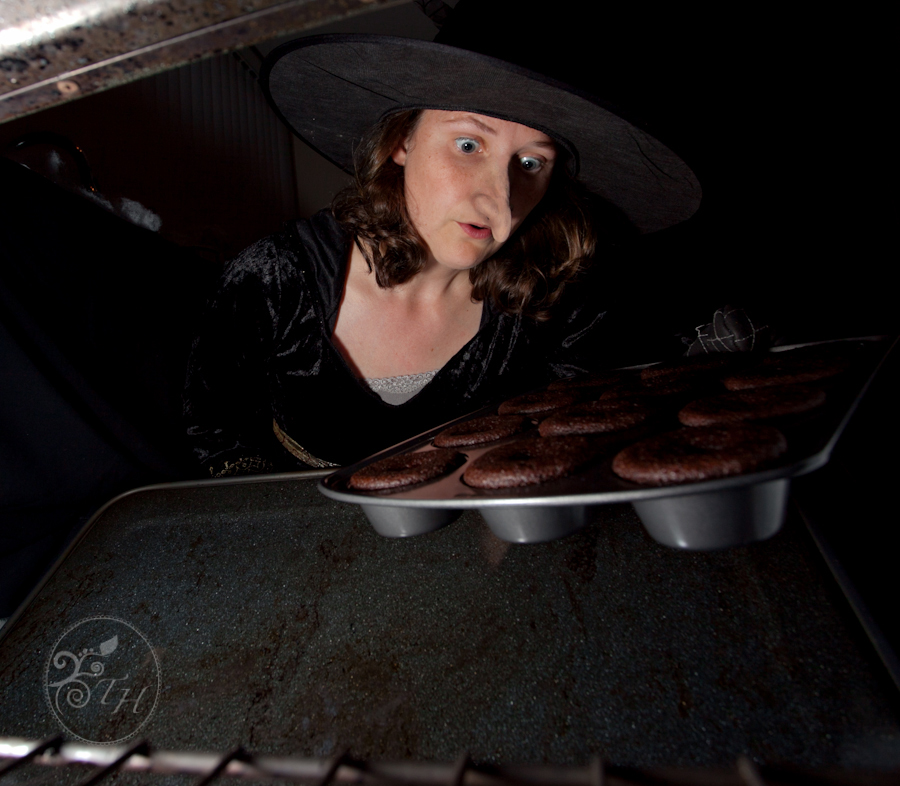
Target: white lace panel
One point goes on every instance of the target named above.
(397, 390)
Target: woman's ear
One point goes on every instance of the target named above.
(400, 153)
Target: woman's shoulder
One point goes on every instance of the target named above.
(264, 258)
(312, 250)
(292, 246)
(322, 246)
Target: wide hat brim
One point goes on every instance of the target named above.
(331, 90)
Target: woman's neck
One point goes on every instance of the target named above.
(406, 329)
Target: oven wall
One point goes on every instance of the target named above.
(198, 146)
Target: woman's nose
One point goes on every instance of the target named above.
(495, 199)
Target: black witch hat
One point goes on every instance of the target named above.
(330, 90)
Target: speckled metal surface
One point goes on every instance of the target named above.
(282, 621)
(57, 50)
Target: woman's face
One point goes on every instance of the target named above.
(470, 181)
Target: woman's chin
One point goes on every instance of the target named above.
(464, 258)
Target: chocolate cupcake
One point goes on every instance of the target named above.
(751, 404)
(796, 366)
(540, 401)
(479, 431)
(530, 461)
(702, 453)
(596, 417)
(405, 469)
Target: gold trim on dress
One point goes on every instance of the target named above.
(297, 450)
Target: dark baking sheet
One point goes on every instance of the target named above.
(810, 438)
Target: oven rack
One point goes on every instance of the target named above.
(107, 760)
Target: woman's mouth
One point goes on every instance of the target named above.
(475, 231)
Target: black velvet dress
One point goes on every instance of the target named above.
(266, 387)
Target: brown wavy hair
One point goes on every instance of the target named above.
(526, 276)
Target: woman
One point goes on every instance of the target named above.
(428, 289)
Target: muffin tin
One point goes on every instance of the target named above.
(704, 515)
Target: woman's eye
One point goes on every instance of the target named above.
(531, 164)
(466, 145)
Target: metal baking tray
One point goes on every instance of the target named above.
(704, 515)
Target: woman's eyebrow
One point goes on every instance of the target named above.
(472, 121)
(488, 130)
